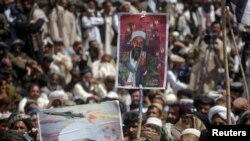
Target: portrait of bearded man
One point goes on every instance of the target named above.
(138, 63)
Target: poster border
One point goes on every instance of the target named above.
(166, 51)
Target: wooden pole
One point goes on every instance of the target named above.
(140, 114)
(241, 67)
(228, 95)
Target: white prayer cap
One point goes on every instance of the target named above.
(58, 41)
(221, 111)
(154, 121)
(158, 105)
(58, 94)
(172, 1)
(191, 131)
(138, 34)
(125, 3)
(176, 33)
(186, 101)
(214, 95)
(112, 95)
(171, 99)
(4, 115)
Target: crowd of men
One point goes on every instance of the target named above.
(59, 53)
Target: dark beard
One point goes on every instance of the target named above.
(26, 11)
(136, 54)
(17, 53)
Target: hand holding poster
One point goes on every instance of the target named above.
(142, 51)
(100, 122)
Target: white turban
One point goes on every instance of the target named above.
(191, 131)
(112, 94)
(221, 111)
(138, 34)
(58, 94)
(154, 121)
(171, 99)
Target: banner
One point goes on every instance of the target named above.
(241, 9)
(97, 122)
(142, 51)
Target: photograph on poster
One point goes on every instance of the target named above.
(142, 50)
(99, 122)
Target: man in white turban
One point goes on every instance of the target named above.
(217, 115)
(190, 134)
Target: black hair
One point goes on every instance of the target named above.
(184, 92)
(32, 85)
(76, 43)
(203, 99)
(94, 1)
(106, 2)
(131, 117)
(28, 107)
(244, 117)
(131, 91)
(15, 135)
(203, 118)
(85, 70)
(29, 1)
(183, 109)
(17, 117)
(216, 22)
(239, 88)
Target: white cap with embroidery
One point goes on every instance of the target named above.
(154, 121)
(191, 131)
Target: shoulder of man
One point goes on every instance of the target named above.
(167, 132)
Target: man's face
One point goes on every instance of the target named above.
(91, 5)
(125, 8)
(57, 48)
(27, 6)
(137, 44)
(203, 108)
(78, 48)
(173, 115)
(216, 28)
(3, 127)
(218, 121)
(135, 98)
(20, 126)
(52, 2)
(64, 3)
(153, 112)
(54, 80)
(88, 77)
(131, 130)
(108, 7)
(188, 138)
(17, 48)
(34, 92)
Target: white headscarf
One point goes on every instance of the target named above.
(221, 111)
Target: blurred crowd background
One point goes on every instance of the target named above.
(56, 53)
